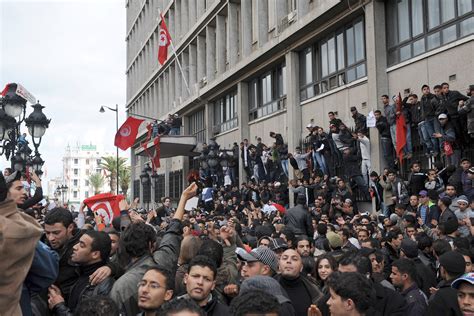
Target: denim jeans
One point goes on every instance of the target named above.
(393, 133)
(174, 131)
(284, 166)
(317, 157)
(427, 129)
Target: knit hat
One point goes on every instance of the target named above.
(468, 277)
(262, 254)
(278, 243)
(463, 198)
(442, 116)
(334, 239)
(453, 262)
(409, 248)
(266, 284)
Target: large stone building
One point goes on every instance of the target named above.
(255, 66)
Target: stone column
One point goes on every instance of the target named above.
(293, 107)
(243, 122)
(377, 79)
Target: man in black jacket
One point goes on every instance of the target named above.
(385, 138)
(426, 128)
(298, 218)
(62, 236)
(452, 98)
(301, 291)
(90, 253)
(360, 121)
(200, 282)
(444, 301)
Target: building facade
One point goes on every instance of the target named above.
(255, 66)
(79, 163)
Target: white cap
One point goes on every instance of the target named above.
(309, 125)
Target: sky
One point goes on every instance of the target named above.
(70, 54)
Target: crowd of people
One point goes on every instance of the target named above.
(246, 250)
(170, 126)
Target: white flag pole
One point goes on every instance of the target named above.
(176, 57)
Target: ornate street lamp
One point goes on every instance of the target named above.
(13, 104)
(18, 162)
(37, 163)
(37, 124)
(144, 176)
(7, 123)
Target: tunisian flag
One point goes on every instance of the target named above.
(105, 207)
(127, 133)
(401, 138)
(164, 42)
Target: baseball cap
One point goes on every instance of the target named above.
(468, 277)
(442, 116)
(278, 243)
(262, 254)
(471, 170)
(309, 125)
(423, 193)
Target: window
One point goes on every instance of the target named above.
(98, 162)
(267, 93)
(197, 126)
(76, 161)
(417, 26)
(87, 161)
(74, 194)
(86, 183)
(176, 184)
(333, 61)
(225, 113)
(87, 172)
(136, 189)
(86, 194)
(76, 172)
(75, 181)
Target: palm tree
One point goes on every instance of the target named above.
(110, 165)
(97, 181)
(124, 179)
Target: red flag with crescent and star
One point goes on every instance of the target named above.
(164, 42)
(127, 133)
(105, 207)
(401, 128)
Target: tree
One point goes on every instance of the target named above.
(97, 181)
(124, 179)
(110, 165)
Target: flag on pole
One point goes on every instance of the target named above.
(105, 207)
(156, 158)
(401, 129)
(127, 133)
(164, 42)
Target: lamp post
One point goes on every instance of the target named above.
(145, 181)
(62, 189)
(14, 145)
(102, 110)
